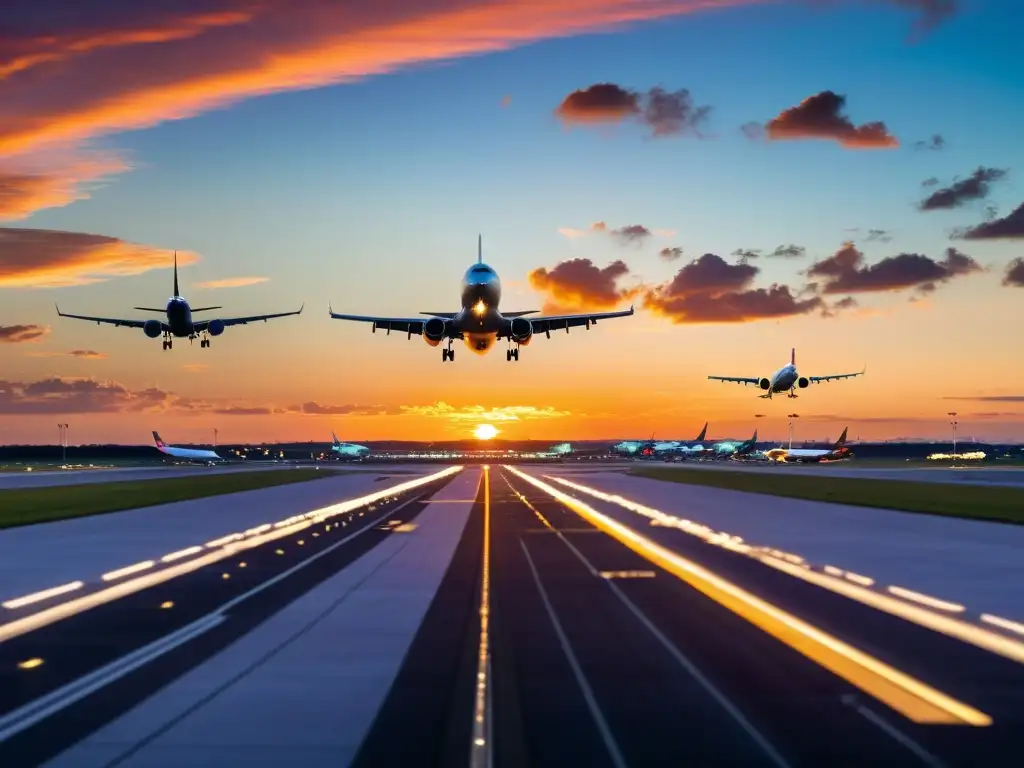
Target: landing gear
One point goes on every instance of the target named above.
(512, 354)
(204, 343)
(448, 354)
(168, 342)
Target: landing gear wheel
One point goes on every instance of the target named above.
(512, 354)
(447, 354)
(168, 344)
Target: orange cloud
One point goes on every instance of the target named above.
(48, 258)
(27, 186)
(233, 282)
(442, 410)
(578, 284)
(82, 354)
(61, 394)
(821, 117)
(19, 334)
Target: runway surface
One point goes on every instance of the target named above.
(508, 627)
(13, 480)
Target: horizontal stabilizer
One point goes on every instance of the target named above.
(150, 309)
(440, 314)
(205, 309)
(519, 314)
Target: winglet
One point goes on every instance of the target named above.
(330, 309)
(58, 309)
(479, 249)
(631, 309)
(301, 307)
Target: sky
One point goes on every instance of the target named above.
(842, 177)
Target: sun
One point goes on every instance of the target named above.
(485, 431)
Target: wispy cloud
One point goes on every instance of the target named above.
(19, 334)
(81, 354)
(233, 282)
(30, 184)
(442, 410)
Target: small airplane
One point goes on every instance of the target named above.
(179, 322)
(347, 450)
(479, 323)
(791, 455)
(786, 379)
(207, 457)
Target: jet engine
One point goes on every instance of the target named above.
(802, 382)
(764, 383)
(434, 331)
(152, 328)
(521, 330)
(215, 328)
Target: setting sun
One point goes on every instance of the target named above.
(485, 431)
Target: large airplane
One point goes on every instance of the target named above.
(192, 454)
(348, 450)
(479, 323)
(179, 322)
(790, 455)
(652, 447)
(786, 379)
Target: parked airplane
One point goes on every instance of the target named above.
(746, 449)
(179, 322)
(479, 323)
(207, 457)
(786, 379)
(348, 450)
(791, 455)
(651, 447)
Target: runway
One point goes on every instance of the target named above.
(482, 619)
(25, 479)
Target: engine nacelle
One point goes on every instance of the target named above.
(802, 382)
(215, 328)
(153, 328)
(764, 383)
(521, 330)
(434, 331)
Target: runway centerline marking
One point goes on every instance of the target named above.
(481, 751)
(907, 695)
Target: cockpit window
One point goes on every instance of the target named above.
(480, 268)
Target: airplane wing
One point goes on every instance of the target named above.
(736, 379)
(834, 376)
(407, 325)
(108, 320)
(203, 324)
(547, 324)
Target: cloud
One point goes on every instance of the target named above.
(710, 290)
(1010, 227)
(931, 181)
(570, 232)
(935, 143)
(19, 334)
(820, 117)
(313, 408)
(743, 255)
(846, 272)
(848, 303)
(633, 233)
(48, 258)
(879, 236)
(27, 185)
(442, 410)
(195, 367)
(238, 410)
(1014, 274)
(974, 187)
(990, 398)
(233, 282)
(664, 232)
(62, 394)
(579, 284)
(81, 354)
(671, 254)
(789, 251)
(598, 226)
(667, 113)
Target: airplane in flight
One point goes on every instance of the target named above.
(179, 322)
(786, 380)
(207, 457)
(479, 323)
(347, 450)
(791, 455)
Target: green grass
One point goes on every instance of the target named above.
(25, 506)
(980, 502)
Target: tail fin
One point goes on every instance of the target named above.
(176, 274)
(703, 434)
(842, 438)
(792, 356)
(479, 249)
(754, 438)
(336, 440)
(159, 443)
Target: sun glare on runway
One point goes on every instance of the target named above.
(485, 431)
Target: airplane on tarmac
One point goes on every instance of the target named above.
(479, 323)
(192, 454)
(792, 455)
(786, 379)
(347, 450)
(652, 447)
(179, 322)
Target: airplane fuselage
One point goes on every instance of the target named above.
(784, 379)
(179, 317)
(479, 320)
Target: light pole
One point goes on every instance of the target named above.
(214, 437)
(953, 424)
(791, 417)
(63, 428)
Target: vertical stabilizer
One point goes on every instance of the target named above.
(176, 274)
(159, 443)
(792, 356)
(479, 249)
(703, 434)
(842, 438)
(336, 440)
